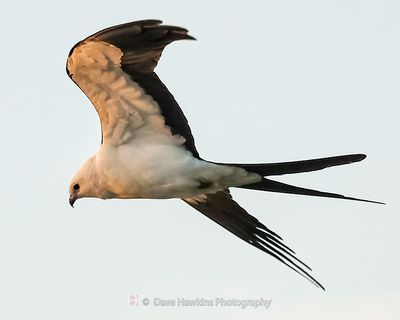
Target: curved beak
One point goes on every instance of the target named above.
(72, 200)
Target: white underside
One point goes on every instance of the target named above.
(135, 170)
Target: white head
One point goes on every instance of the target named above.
(85, 182)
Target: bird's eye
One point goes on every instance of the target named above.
(76, 186)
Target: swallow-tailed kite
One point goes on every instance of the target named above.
(147, 149)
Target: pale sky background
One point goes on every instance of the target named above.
(266, 81)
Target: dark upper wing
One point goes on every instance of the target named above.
(221, 208)
(141, 44)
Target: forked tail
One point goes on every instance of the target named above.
(272, 169)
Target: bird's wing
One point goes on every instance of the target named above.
(221, 208)
(115, 69)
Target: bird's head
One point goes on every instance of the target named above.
(84, 183)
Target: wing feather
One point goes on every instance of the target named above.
(221, 208)
(115, 69)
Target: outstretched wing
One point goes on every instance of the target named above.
(115, 69)
(221, 208)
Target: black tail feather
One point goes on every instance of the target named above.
(279, 168)
(275, 186)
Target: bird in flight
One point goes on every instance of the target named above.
(148, 150)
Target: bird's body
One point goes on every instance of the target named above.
(130, 171)
(147, 148)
